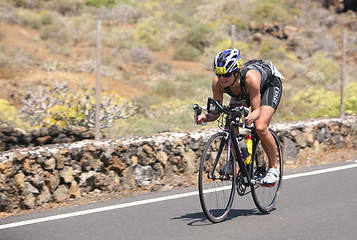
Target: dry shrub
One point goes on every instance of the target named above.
(120, 14)
(140, 55)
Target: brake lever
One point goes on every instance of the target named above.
(198, 111)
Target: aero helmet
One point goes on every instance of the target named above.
(227, 61)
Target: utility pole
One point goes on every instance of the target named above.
(342, 94)
(233, 36)
(98, 88)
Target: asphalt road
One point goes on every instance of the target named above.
(318, 202)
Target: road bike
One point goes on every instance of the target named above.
(223, 169)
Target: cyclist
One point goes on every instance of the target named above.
(257, 84)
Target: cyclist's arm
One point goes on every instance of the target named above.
(218, 96)
(253, 80)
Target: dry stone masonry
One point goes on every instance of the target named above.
(11, 138)
(32, 176)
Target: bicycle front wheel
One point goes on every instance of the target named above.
(216, 178)
(266, 196)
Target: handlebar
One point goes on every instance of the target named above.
(229, 110)
(214, 107)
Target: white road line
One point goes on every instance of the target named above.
(148, 201)
(327, 170)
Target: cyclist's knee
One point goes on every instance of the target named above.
(261, 130)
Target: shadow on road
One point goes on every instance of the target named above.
(199, 218)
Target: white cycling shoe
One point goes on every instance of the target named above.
(271, 177)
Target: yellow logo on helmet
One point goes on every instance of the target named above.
(220, 70)
(239, 63)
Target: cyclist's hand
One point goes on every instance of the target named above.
(249, 120)
(201, 119)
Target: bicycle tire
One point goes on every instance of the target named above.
(216, 194)
(265, 196)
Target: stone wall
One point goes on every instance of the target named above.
(30, 177)
(11, 138)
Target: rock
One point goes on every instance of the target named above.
(30, 189)
(128, 179)
(35, 133)
(54, 130)
(86, 179)
(2, 144)
(60, 161)
(4, 202)
(50, 164)
(67, 174)
(37, 181)
(88, 162)
(191, 162)
(74, 190)
(43, 132)
(20, 181)
(289, 149)
(301, 139)
(61, 193)
(29, 201)
(143, 174)
(43, 140)
(26, 167)
(117, 164)
(162, 157)
(53, 181)
(44, 196)
(62, 138)
(6, 168)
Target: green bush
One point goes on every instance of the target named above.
(323, 70)
(197, 36)
(46, 18)
(185, 52)
(315, 103)
(274, 50)
(170, 115)
(241, 23)
(9, 115)
(270, 11)
(7, 68)
(179, 17)
(351, 98)
(55, 32)
(162, 67)
(106, 3)
(66, 7)
(150, 31)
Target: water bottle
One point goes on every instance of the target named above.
(244, 149)
(249, 144)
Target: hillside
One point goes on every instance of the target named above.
(158, 56)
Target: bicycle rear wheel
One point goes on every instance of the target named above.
(215, 180)
(266, 196)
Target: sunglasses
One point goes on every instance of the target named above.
(227, 75)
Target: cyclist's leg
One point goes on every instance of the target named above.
(262, 124)
(270, 100)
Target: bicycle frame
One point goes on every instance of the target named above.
(237, 149)
(232, 136)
